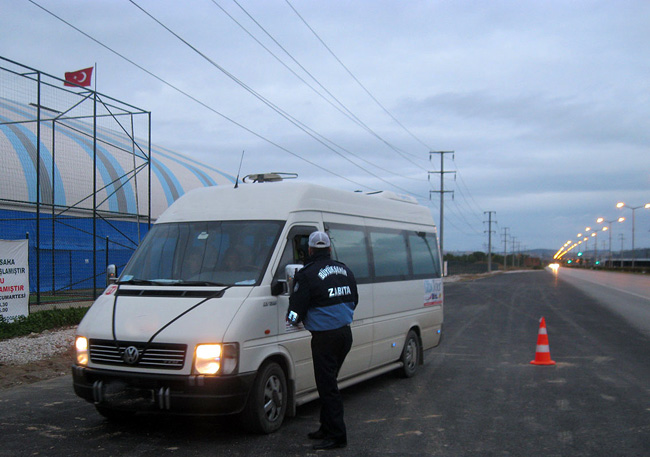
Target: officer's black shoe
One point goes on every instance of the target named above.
(317, 435)
(330, 444)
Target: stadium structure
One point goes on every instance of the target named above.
(81, 179)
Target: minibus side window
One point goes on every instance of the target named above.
(390, 255)
(424, 255)
(349, 246)
(296, 250)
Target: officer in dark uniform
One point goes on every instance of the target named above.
(324, 298)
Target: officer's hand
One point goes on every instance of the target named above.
(292, 318)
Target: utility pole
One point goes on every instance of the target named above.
(505, 247)
(442, 192)
(489, 221)
(513, 238)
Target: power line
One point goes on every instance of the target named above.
(196, 100)
(341, 108)
(462, 180)
(350, 114)
(464, 198)
(459, 214)
(466, 202)
(456, 207)
(402, 153)
(264, 100)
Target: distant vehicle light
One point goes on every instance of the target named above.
(554, 266)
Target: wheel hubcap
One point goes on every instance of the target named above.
(411, 354)
(273, 397)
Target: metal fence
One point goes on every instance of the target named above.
(461, 268)
(76, 180)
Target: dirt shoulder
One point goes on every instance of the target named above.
(40, 370)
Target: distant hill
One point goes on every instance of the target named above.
(544, 254)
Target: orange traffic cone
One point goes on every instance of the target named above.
(542, 353)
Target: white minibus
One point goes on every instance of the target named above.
(196, 322)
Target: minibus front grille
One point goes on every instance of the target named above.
(157, 355)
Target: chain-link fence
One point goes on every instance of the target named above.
(75, 180)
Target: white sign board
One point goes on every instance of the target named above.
(14, 279)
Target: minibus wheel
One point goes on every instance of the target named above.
(411, 355)
(267, 402)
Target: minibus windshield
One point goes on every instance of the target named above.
(226, 253)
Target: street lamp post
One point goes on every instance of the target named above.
(633, 208)
(595, 235)
(586, 241)
(600, 220)
(579, 235)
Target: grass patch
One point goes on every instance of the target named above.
(40, 321)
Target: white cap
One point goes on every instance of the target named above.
(319, 240)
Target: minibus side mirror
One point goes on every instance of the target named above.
(290, 273)
(111, 274)
(285, 286)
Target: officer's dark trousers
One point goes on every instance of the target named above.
(329, 349)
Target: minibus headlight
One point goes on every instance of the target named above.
(81, 346)
(216, 359)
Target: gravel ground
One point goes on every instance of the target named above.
(37, 346)
(36, 357)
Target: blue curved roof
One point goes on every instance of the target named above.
(68, 179)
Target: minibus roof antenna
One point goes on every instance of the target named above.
(239, 170)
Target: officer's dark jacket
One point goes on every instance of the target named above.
(324, 294)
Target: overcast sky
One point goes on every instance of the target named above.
(545, 103)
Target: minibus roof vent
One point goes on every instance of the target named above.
(274, 176)
(393, 196)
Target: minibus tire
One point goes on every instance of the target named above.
(411, 355)
(269, 388)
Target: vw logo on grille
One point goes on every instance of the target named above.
(131, 355)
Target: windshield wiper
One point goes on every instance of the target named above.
(144, 282)
(199, 283)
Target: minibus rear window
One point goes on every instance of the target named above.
(221, 252)
(424, 254)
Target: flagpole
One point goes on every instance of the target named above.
(95, 76)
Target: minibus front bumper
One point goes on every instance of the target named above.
(155, 392)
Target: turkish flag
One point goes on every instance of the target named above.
(78, 78)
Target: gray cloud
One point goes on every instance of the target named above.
(545, 103)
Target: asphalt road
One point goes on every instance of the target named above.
(626, 294)
(476, 395)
